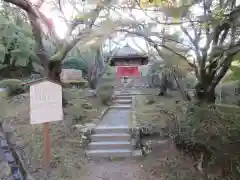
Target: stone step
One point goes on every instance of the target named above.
(122, 101)
(110, 137)
(123, 94)
(121, 106)
(123, 97)
(109, 153)
(108, 130)
(110, 145)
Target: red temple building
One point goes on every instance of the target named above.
(127, 62)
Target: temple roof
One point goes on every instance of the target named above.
(127, 51)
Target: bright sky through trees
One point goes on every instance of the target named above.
(49, 9)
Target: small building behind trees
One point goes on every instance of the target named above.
(127, 56)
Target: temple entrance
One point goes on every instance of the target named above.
(127, 62)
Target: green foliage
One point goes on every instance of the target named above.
(77, 113)
(212, 130)
(75, 63)
(15, 41)
(219, 14)
(13, 86)
(234, 74)
(105, 89)
(110, 72)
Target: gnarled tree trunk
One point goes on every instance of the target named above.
(163, 85)
(96, 71)
(54, 70)
(204, 94)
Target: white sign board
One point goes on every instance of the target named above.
(45, 102)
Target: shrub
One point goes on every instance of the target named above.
(77, 113)
(214, 131)
(105, 92)
(13, 86)
(80, 84)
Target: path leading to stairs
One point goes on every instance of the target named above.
(116, 170)
(112, 137)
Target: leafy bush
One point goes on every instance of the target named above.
(105, 89)
(105, 92)
(214, 131)
(13, 86)
(76, 112)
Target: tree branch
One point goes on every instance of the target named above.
(68, 46)
(194, 43)
(156, 46)
(223, 70)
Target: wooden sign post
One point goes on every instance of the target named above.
(45, 107)
(47, 146)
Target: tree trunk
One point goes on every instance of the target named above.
(91, 77)
(204, 95)
(163, 85)
(7, 59)
(54, 71)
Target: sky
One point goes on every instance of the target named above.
(49, 10)
(136, 42)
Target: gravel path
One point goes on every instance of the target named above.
(115, 170)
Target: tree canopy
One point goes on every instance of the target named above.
(205, 37)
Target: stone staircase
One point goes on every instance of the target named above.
(112, 137)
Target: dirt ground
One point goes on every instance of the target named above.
(163, 163)
(68, 148)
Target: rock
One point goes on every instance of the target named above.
(85, 129)
(90, 125)
(137, 153)
(71, 75)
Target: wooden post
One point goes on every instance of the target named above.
(47, 146)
